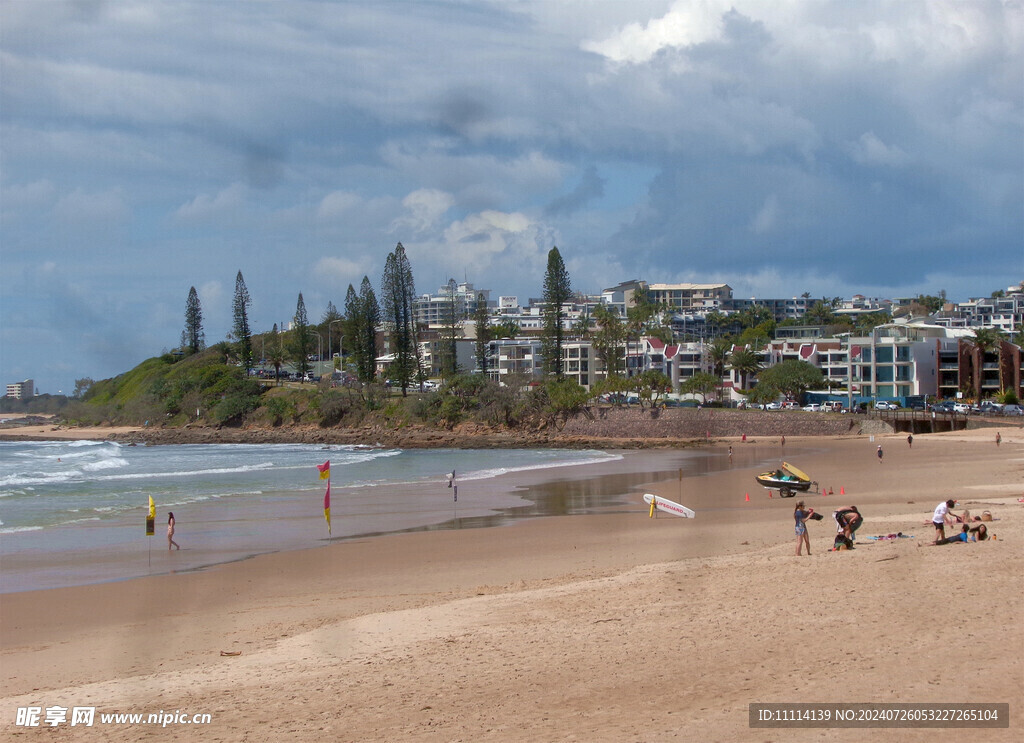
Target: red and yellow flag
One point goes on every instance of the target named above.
(325, 474)
(327, 506)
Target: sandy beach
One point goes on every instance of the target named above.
(604, 627)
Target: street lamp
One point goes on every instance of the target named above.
(341, 354)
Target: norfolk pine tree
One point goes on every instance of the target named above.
(302, 339)
(397, 294)
(192, 339)
(557, 291)
(240, 327)
(483, 333)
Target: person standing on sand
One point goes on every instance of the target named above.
(941, 517)
(910, 440)
(998, 438)
(782, 442)
(170, 531)
(800, 516)
(879, 453)
(730, 455)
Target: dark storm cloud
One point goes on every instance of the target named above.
(826, 146)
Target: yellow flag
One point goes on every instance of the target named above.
(151, 518)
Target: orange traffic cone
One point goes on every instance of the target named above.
(842, 490)
(748, 497)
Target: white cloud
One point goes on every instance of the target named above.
(337, 204)
(424, 208)
(204, 206)
(686, 24)
(342, 271)
(870, 150)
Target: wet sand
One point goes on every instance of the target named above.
(600, 627)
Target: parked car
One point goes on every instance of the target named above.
(945, 406)
(961, 407)
(833, 406)
(812, 408)
(990, 408)
(790, 405)
(1013, 410)
(773, 406)
(886, 405)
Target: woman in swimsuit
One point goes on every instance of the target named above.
(800, 516)
(170, 531)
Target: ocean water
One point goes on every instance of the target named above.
(50, 484)
(73, 512)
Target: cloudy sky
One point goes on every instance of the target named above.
(780, 146)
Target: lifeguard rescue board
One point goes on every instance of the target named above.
(668, 506)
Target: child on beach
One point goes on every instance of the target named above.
(170, 531)
(802, 537)
(941, 517)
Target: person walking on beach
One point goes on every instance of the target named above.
(910, 440)
(879, 453)
(800, 516)
(170, 531)
(782, 441)
(998, 438)
(730, 455)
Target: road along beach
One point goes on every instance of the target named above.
(570, 627)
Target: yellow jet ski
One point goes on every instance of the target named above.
(788, 480)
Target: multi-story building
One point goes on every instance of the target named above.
(781, 309)
(690, 297)
(523, 356)
(21, 390)
(898, 360)
(1004, 312)
(436, 309)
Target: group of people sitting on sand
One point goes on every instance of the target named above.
(944, 516)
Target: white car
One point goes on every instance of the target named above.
(962, 408)
(812, 408)
(773, 406)
(885, 405)
(1013, 410)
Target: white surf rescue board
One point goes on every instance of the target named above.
(668, 506)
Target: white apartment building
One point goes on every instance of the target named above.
(21, 390)
(436, 309)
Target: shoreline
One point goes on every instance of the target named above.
(511, 633)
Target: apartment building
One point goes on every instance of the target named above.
(690, 297)
(21, 390)
(436, 309)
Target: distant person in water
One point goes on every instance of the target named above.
(170, 532)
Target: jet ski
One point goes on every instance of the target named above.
(787, 479)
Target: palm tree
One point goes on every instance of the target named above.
(276, 355)
(719, 353)
(986, 340)
(745, 362)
